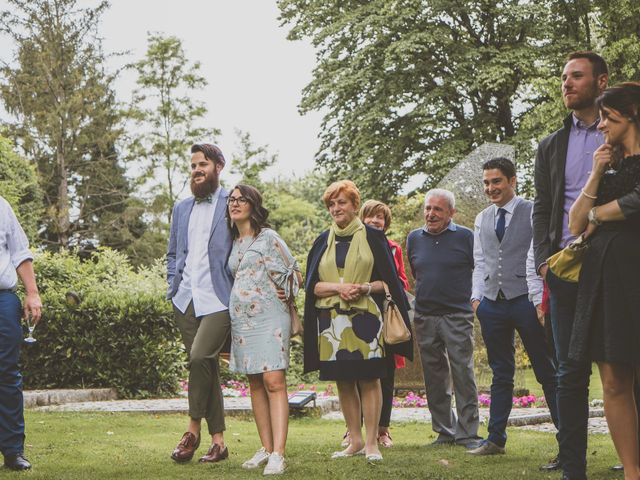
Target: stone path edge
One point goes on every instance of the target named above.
(39, 398)
(105, 400)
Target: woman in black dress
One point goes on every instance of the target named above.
(607, 323)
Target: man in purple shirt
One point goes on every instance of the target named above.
(562, 167)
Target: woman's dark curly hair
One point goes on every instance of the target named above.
(259, 214)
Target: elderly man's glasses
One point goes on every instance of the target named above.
(238, 200)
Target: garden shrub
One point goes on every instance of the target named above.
(122, 333)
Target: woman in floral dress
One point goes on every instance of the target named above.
(260, 322)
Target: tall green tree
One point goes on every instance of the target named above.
(250, 161)
(19, 186)
(166, 117)
(65, 115)
(411, 86)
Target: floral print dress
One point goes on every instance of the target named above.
(260, 321)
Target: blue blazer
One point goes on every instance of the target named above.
(220, 243)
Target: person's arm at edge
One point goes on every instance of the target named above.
(620, 209)
(402, 274)
(541, 215)
(172, 246)
(477, 277)
(32, 302)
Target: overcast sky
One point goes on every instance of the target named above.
(255, 74)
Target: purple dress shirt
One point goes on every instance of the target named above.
(583, 141)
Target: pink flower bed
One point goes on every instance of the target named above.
(234, 388)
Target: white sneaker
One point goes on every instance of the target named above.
(275, 465)
(259, 458)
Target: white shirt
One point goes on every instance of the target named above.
(196, 281)
(14, 246)
(534, 282)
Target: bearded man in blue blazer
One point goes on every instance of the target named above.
(199, 287)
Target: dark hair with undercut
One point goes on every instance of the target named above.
(259, 214)
(623, 98)
(598, 64)
(210, 151)
(503, 164)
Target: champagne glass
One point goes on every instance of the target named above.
(617, 155)
(31, 326)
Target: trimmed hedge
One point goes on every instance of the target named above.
(121, 334)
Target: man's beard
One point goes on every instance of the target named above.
(585, 100)
(203, 189)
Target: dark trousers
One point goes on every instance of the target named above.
(499, 320)
(573, 380)
(386, 384)
(11, 403)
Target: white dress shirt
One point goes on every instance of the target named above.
(14, 246)
(196, 281)
(534, 282)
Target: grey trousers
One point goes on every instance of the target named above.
(204, 337)
(446, 351)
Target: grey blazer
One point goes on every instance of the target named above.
(220, 243)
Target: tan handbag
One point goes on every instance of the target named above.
(296, 324)
(394, 330)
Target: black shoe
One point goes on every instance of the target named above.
(442, 441)
(617, 468)
(16, 462)
(551, 466)
(567, 477)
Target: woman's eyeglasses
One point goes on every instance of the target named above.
(238, 200)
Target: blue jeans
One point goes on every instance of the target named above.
(573, 380)
(500, 319)
(11, 403)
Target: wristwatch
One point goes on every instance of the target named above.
(593, 219)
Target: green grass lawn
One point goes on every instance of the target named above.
(137, 446)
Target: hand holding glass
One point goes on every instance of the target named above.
(31, 325)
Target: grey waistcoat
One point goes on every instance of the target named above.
(506, 262)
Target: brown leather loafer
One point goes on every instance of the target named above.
(215, 454)
(186, 448)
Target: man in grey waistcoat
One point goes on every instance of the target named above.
(500, 298)
(441, 258)
(199, 289)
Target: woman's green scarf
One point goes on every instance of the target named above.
(357, 267)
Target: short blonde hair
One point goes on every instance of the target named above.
(336, 188)
(371, 208)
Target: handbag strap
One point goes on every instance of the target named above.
(387, 294)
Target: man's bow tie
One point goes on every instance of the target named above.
(208, 199)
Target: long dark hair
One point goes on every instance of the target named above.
(259, 214)
(623, 98)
